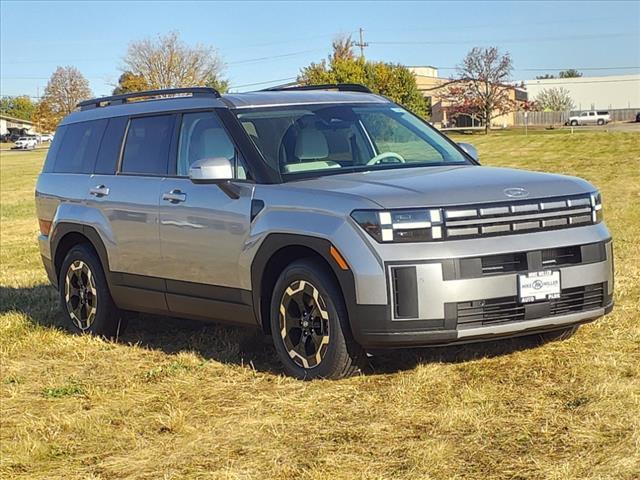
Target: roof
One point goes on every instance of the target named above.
(14, 119)
(232, 100)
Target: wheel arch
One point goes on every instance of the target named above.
(66, 235)
(279, 250)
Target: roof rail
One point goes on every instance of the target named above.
(120, 99)
(341, 87)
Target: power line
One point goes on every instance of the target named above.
(505, 41)
(287, 79)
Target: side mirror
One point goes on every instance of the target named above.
(211, 170)
(470, 149)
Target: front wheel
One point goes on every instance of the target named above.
(310, 326)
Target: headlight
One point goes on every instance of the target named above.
(409, 225)
(596, 207)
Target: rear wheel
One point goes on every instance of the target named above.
(574, 123)
(600, 122)
(85, 296)
(310, 326)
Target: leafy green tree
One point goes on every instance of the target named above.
(391, 80)
(17, 107)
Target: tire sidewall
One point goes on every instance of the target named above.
(322, 280)
(106, 322)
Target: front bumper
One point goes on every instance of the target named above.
(462, 300)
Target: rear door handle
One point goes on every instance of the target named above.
(174, 196)
(99, 191)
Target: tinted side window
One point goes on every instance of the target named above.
(110, 147)
(79, 147)
(53, 149)
(146, 150)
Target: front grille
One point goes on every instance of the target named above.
(496, 311)
(521, 216)
(532, 260)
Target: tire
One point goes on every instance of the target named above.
(312, 346)
(600, 122)
(82, 279)
(558, 335)
(574, 123)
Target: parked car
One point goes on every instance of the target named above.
(330, 218)
(590, 118)
(25, 143)
(44, 137)
(638, 117)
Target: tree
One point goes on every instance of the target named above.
(546, 76)
(17, 107)
(342, 47)
(65, 89)
(129, 82)
(481, 89)
(554, 100)
(392, 80)
(570, 73)
(167, 62)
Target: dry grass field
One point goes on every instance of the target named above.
(175, 399)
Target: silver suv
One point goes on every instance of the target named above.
(329, 217)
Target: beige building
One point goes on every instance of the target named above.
(431, 85)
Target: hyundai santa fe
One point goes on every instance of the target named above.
(329, 217)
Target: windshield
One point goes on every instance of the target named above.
(317, 139)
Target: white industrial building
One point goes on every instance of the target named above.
(594, 93)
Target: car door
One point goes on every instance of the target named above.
(128, 202)
(203, 229)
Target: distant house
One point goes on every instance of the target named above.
(432, 87)
(10, 124)
(594, 93)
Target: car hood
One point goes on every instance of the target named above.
(443, 186)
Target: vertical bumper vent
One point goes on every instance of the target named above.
(405, 292)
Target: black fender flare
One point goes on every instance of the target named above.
(62, 229)
(276, 242)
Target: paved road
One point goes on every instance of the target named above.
(612, 127)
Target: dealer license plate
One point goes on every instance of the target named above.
(536, 286)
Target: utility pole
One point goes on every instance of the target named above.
(362, 43)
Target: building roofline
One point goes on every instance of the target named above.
(14, 119)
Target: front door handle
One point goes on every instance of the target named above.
(174, 196)
(99, 191)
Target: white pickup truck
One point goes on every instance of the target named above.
(592, 117)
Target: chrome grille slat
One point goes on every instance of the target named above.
(515, 217)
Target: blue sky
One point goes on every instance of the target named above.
(263, 41)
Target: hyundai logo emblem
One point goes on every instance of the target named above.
(516, 192)
(537, 285)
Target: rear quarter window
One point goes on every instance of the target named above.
(78, 147)
(53, 149)
(109, 153)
